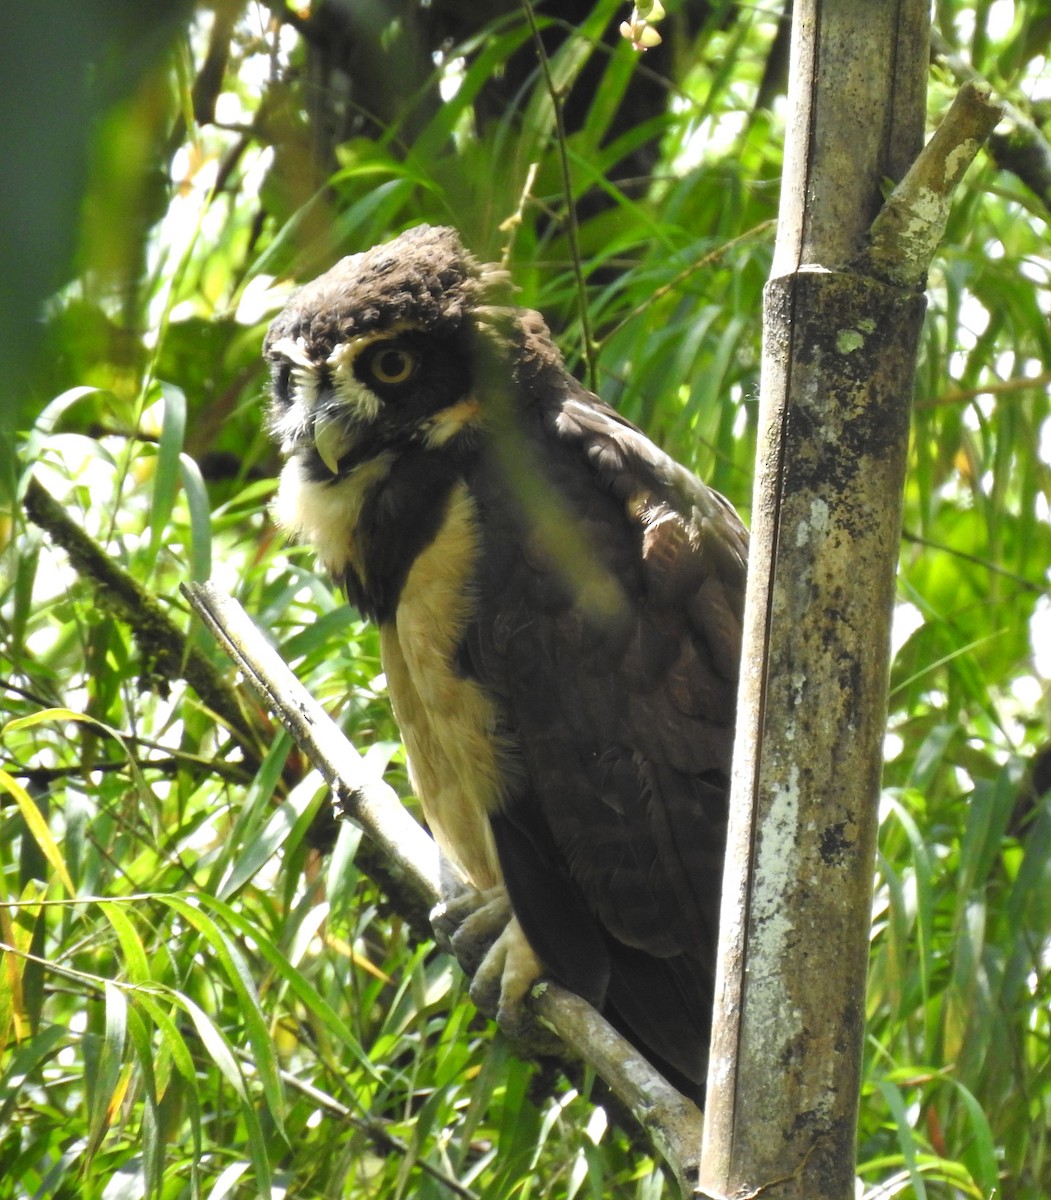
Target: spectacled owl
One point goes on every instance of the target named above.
(559, 610)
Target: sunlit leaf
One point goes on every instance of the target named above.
(38, 829)
(169, 456)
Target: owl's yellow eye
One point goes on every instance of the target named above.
(392, 365)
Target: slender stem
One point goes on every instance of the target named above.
(572, 228)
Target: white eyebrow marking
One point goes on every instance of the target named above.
(361, 403)
(303, 373)
(294, 349)
(359, 399)
(357, 396)
(344, 353)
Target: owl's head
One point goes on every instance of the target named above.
(385, 350)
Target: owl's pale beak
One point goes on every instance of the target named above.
(331, 438)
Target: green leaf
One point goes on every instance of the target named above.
(103, 1095)
(266, 842)
(135, 959)
(340, 1032)
(37, 826)
(169, 461)
(240, 978)
(200, 519)
(909, 1150)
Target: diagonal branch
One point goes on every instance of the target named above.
(672, 1121)
(163, 645)
(909, 228)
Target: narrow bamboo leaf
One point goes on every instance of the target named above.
(219, 1050)
(489, 1078)
(12, 1020)
(175, 1050)
(45, 715)
(217, 1046)
(25, 1061)
(135, 960)
(303, 989)
(1029, 899)
(485, 57)
(44, 426)
(307, 930)
(110, 1064)
(981, 1155)
(276, 256)
(226, 1184)
(17, 926)
(152, 1149)
(173, 1039)
(200, 519)
(265, 844)
(923, 937)
(166, 476)
(240, 978)
(896, 1103)
(139, 1037)
(564, 65)
(120, 1090)
(988, 813)
(38, 828)
(253, 811)
(259, 1148)
(39, 718)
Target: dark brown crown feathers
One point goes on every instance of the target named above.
(425, 277)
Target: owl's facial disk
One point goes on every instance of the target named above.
(370, 395)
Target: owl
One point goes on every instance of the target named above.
(559, 610)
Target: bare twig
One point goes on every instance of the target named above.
(1004, 387)
(1021, 146)
(673, 1122)
(906, 234)
(572, 231)
(1020, 581)
(359, 795)
(170, 765)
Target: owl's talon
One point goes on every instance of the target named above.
(501, 984)
(480, 930)
(468, 924)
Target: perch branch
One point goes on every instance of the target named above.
(358, 794)
(672, 1122)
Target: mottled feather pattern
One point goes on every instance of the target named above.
(626, 730)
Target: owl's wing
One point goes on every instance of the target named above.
(620, 716)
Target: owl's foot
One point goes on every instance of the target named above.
(468, 923)
(488, 942)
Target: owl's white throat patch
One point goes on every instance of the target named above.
(325, 514)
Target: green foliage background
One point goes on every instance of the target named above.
(202, 993)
